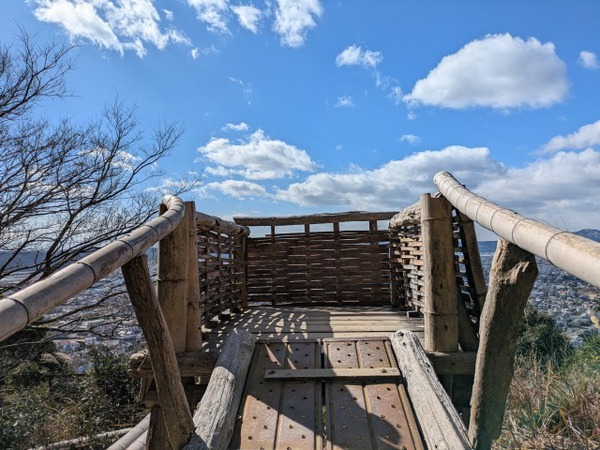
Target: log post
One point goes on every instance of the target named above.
(215, 415)
(194, 313)
(172, 283)
(171, 395)
(512, 276)
(441, 425)
(441, 293)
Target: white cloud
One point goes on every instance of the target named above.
(498, 71)
(344, 102)
(410, 138)
(396, 95)
(195, 53)
(248, 16)
(212, 12)
(257, 158)
(563, 189)
(586, 136)
(168, 15)
(393, 185)
(79, 19)
(293, 19)
(242, 126)
(356, 56)
(127, 25)
(246, 87)
(236, 189)
(589, 60)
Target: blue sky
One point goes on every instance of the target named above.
(304, 106)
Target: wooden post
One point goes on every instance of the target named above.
(193, 332)
(172, 285)
(441, 293)
(171, 395)
(215, 415)
(512, 276)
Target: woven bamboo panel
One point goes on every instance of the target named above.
(221, 272)
(334, 267)
(407, 259)
(463, 267)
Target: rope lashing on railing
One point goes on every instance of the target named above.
(26, 306)
(574, 254)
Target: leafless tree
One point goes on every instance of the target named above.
(66, 188)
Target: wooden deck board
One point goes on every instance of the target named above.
(309, 323)
(366, 413)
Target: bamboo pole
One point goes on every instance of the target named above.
(134, 434)
(171, 395)
(441, 293)
(30, 304)
(577, 255)
(512, 276)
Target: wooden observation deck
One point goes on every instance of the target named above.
(335, 331)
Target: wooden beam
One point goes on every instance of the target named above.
(441, 425)
(204, 221)
(327, 374)
(215, 415)
(171, 395)
(191, 364)
(453, 363)
(351, 216)
(512, 276)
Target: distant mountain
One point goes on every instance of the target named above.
(490, 246)
(594, 235)
(487, 246)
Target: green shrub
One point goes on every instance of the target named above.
(540, 340)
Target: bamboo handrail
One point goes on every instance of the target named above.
(24, 307)
(574, 254)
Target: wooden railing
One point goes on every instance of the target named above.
(574, 254)
(24, 307)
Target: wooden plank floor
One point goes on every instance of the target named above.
(332, 413)
(302, 323)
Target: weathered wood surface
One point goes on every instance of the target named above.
(204, 221)
(441, 294)
(574, 254)
(351, 216)
(408, 216)
(28, 305)
(453, 363)
(512, 276)
(215, 416)
(325, 414)
(193, 340)
(190, 364)
(338, 373)
(441, 425)
(302, 323)
(171, 395)
(172, 283)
